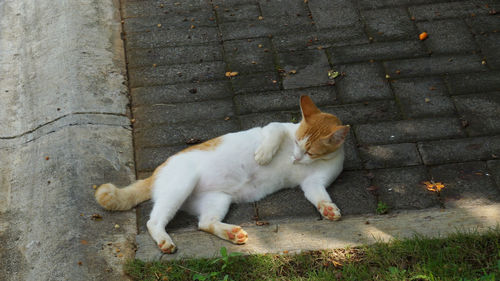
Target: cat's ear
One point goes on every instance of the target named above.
(308, 107)
(338, 136)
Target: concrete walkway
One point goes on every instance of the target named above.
(64, 128)
(420, 110)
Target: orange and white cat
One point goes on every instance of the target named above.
(239, 167)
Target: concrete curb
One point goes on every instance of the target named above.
(64, 129)
(296, 236)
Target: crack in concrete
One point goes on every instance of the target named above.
(60, 118)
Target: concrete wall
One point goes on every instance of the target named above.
(63, 129)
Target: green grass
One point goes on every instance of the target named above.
(461, 256)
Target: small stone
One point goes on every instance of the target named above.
(260, 45)
(159, 25)
(427, 99)
(117, 226)
(260, 17)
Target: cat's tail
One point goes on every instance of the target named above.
(120, 199)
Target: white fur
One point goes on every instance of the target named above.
(245, 167)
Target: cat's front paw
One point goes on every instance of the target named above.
(264, 155)
(329, 210)
(167, 247)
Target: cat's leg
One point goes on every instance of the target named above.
(317, 195)
(272, 136)
(211, 208)
(171, 188)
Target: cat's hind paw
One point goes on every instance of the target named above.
(264, 154)
(237, 235)
(329, 211)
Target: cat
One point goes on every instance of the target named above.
(245, 166)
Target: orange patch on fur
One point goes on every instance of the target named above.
(235, 229)
(205, 146)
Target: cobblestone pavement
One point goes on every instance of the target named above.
(420, 110)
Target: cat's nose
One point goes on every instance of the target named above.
(296, 159)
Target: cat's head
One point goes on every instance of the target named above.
(319, 134)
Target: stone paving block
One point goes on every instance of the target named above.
(311, 68)
(249, 55)
(402, 188)
(241, 214)
(363, 81)
(448, 10)
(261, 119)
(265, 27)
(333, 13)
(282, 100)
(174, 55)
(352, 160)
(486, 24)
(490, 46)
(149, 158)
(259, 82)
(423, 97)
(182, 112)
(350, 193)
(494, 169)
(236, 12)
(408, 130)
(447, 36)
(435, 65)
(389, 24)
(377, 51)
(459, 150)
(292, 41)
(180, 133)
(284, 8)
(465, 184)
(370, 4)
(286, 204)
(159, 7)
(192, 19)
(389, 156)
(473, 82)
(481, 111)
(172, 36)
(179, 73)
(180, 93)
(360, 113)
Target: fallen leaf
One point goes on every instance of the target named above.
(231, 73)
(332, 74)
(117, 226)
(96, 217)
(84, 242)
(261, 223)
(94, 186)
(427, 99)
(159, 25)
(293, 71)
(260, 18)
(434, 186)
(423, 36)
(260, 45)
